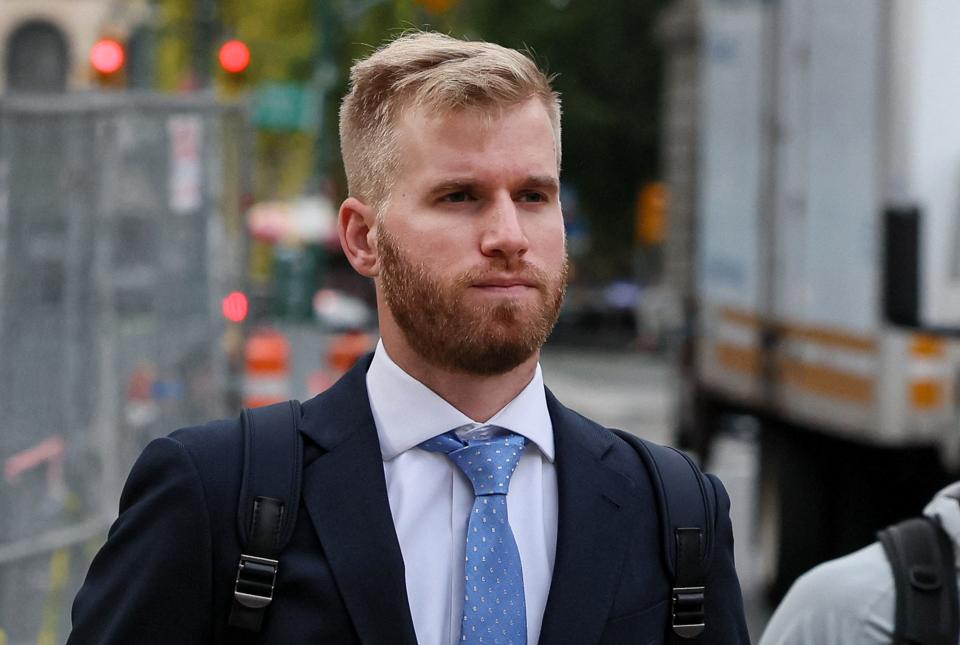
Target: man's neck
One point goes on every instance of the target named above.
(478, 397)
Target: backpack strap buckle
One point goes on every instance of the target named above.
(687, 611)
(256, 579)
(689, 619)
(267, 507)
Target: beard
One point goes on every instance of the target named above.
(486, 338)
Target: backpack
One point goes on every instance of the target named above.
(925, 578)
(270, 493)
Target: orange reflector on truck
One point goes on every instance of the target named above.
(926, 346)
(926, 395)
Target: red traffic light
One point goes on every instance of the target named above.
(234, 56)
(107, 56)
(235, 307)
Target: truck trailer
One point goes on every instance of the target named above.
(822, 258)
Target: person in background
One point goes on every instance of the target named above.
(852, 600)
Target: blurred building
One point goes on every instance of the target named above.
(46, 43)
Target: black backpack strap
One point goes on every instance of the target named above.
(267, 510)
(921, 555)
(687, 512)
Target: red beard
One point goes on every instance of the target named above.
(484, 339)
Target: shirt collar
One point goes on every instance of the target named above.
(407, 412)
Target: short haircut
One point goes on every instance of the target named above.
(432, 71)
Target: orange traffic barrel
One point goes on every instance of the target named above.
(267, 369)
(346, 349)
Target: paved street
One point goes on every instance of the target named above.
(624, 390)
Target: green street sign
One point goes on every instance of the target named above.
(285, 107)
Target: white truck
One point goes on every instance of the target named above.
(826, 293)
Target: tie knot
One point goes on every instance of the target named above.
(487, 463)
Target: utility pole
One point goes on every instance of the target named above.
(324, 77)
(206, 29)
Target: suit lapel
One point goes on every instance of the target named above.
(595, 507)
(345, 494)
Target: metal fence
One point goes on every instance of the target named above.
(120, 232)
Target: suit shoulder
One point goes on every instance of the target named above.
(664, 463)
(216, 450)
(622, 455)
(210, 440)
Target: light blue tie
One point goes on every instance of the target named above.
(493, 609)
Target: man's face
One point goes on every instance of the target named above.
(471, 246)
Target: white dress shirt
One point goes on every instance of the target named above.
(852, 600)
(430, 498)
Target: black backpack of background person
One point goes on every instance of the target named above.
(270, 495)
(925, 577)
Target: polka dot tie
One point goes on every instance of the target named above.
(493, 605)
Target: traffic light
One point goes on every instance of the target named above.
(108, 58)
(234, 57)
(651, 224)
(235, 307)
(436, 6)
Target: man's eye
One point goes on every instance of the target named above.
(533, 197)
(457, 197)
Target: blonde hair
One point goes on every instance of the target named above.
(431, 71)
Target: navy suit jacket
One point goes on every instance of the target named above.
(166, 572)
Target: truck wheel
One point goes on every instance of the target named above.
(822, 497)
(794, 489)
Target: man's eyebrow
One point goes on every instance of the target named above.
(542, 181)
(468, 185)
(453, 186)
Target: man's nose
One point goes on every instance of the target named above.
(503, 232)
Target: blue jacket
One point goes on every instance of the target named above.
(166, 572)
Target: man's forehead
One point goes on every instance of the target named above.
(419, 126)
(420, 117)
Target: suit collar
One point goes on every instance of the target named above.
(596, 506)
(345, 495)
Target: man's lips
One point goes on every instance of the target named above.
(504, 283)
(507, 287)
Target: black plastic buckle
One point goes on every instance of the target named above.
(688, 617)
(256, 578)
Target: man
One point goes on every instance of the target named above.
(417, 458)
(852, 600)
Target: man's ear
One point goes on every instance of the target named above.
(357, 226)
